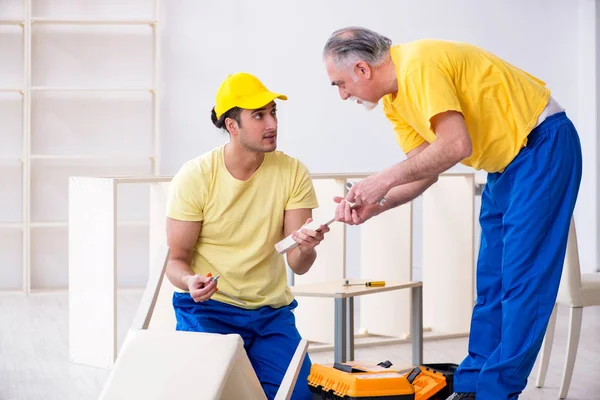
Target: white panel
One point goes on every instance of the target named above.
(11, 54)
(75, 123)
(386, 248)
(153, 365)
(86, 56)
(92, 8)
(49, 180)
(11, 179)
(448, 269)
(11, 9)
(92, 298)
(11, 115)
(11, 248)
(315, 316)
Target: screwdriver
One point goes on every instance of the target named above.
(215, 279)
(370, 283)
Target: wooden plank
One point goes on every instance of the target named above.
(164, 316)
(289, 243)
(92, 271)
(147, 304)
(291, 375)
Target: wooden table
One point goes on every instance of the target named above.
(344, 312)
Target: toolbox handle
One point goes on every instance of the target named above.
(385, 364)
(413, 375)
(351, 369)
(346, 368)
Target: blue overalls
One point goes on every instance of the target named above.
(525, 216)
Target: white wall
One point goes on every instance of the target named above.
(281, 42)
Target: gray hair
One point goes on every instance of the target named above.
(348, 45)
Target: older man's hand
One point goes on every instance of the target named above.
(370, 190)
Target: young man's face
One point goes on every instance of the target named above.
(258, 131)
(353, 84)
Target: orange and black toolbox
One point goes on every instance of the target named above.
(353, 380)
(360, 381)
(447, 370)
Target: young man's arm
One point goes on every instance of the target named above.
(181, 239)
(302, 257)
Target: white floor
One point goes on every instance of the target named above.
(34, 360)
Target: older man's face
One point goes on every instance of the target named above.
(352, 84)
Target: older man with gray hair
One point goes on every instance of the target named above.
(449, 103)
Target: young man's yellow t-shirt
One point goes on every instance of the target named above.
(500, 103)
(241, 222)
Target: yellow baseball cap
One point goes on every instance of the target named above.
(245, 91)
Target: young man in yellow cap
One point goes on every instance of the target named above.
(450, 103)
(226, 210)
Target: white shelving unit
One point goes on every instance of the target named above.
(78, 96)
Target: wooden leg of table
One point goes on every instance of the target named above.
(350, 328)
(339, 345)
(417, 325)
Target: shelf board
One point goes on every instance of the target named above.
(11, 90)
(89, 157)
(11, 225)
(12, 22)
(91, 21)
(88, 89)
(65, 224)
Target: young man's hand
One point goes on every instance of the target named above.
(308, 239)
(355, 215)
(201, 288)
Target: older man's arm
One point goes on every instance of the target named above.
(452, 145)
(395, 197)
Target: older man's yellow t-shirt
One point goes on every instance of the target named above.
(500, 102)
(241, 222)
